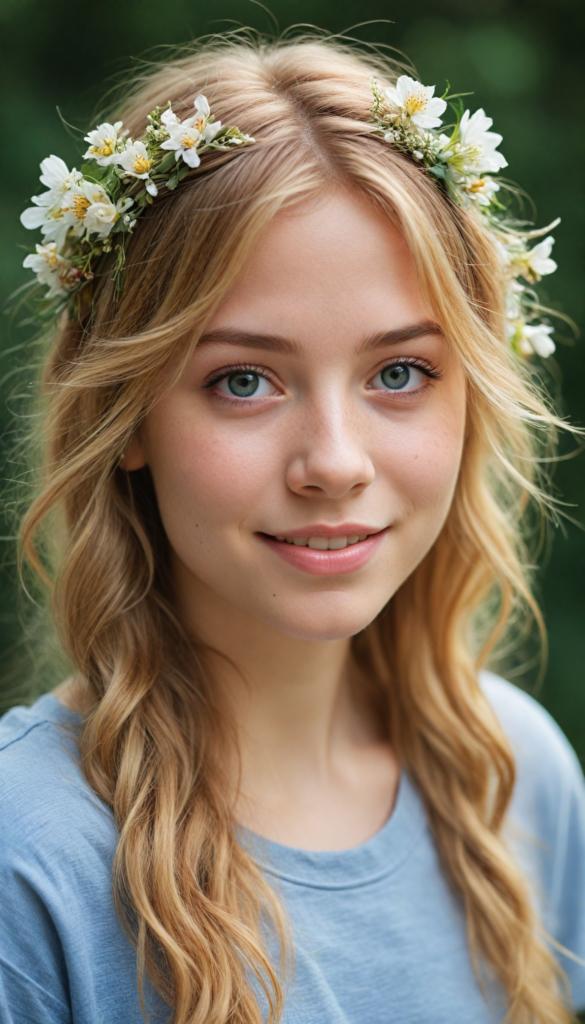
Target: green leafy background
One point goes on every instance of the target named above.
(523, 61)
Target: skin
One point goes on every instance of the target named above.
(327, 443)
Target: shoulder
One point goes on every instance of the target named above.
(45, 802)
(546, 822)
(549, 779)
(544, 756)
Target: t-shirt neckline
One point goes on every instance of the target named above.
(359, 865)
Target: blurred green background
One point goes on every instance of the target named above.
(523, 60)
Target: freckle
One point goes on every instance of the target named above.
(274, 595)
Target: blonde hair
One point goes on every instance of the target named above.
(193, 901)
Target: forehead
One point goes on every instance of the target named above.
(335, 267)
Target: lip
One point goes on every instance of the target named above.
(327, 563)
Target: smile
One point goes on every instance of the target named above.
(326, 555)
(324, 543)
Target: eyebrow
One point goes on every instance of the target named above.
(277, 343)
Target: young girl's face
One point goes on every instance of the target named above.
(322, 405)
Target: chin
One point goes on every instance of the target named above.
(324, 624)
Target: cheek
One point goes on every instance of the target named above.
(423, 461)
(207, 474)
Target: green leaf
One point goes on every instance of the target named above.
(438, 171)
(94, 172)
(456, 95)
(458, 109)
(167, 163)
(173, 181)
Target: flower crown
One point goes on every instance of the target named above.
(408, 116)
(94, 211)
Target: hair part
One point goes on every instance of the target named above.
(194, 902)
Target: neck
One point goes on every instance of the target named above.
(295, 711)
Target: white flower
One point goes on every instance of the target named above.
(482, 190)
(88, 208)
(416, 102)
(50, 268)
(538, 338)
(169, 117)
(186, 136)
(36, 216)
(53, 215)
(134, 160)
(49, 212)
(100, 218)
(478, 145)
(104, 141)
(531, 264)
(57, 176)
(538, 261)
(101, 214)
(77, 201)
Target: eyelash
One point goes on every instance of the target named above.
(431, 372)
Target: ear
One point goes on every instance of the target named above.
(134, 457)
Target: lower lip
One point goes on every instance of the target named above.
(327, 563)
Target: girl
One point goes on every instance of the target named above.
(290, 427)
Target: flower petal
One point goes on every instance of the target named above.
(191, 157)
(33, 217)
(202, 106)
(211, 130)
(169, 117)
(393, 97)
(54, 170)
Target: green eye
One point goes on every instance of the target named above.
(243, 385)
(396, 377)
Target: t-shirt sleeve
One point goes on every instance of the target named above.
(548, 821)
(33, 976)
(64, 956)
(23, 1001)
(567, 893)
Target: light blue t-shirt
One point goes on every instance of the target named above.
(379, 935)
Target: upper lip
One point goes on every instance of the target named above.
(322, 530)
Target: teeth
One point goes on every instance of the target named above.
(337, 543)
(319, 543)
(323, 543)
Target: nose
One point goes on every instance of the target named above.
(329, 453)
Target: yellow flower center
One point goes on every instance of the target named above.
(80, 206)
(189, 141)
(106, 148)
(142, 164)
(200, 124)
(476, 186)
(416, 102)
